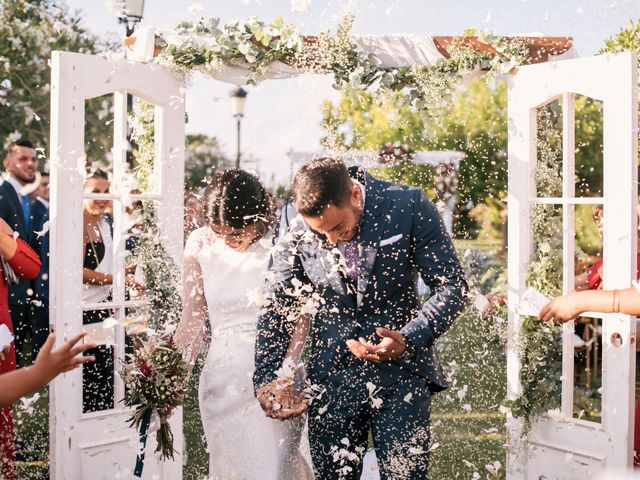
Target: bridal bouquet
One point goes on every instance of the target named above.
(155, 378)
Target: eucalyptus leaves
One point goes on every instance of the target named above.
(208, 46)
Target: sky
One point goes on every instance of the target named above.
(284, 115)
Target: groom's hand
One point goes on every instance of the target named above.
(390, 347)
(281, 402)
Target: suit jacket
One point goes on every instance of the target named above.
(40, 216)
(402, 236)
(11, 212)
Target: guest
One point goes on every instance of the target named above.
(17, 260)
(48, 365)
(40, 217)
(193, 214)
(20, 164)
(97, 277)
(568, 307)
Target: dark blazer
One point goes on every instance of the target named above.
(11, 212)
(40, 216)
(402, 236)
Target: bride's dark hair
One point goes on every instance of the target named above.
(235, 198)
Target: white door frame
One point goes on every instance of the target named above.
(572, 448)
(99, 445)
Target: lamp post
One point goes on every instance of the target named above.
(238, 97)
(133, 10)
(132, 14)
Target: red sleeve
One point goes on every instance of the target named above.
(594, 276)
(25, 261)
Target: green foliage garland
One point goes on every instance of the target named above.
(161, 272)
(210, 47)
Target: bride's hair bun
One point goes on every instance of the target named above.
(235, 198)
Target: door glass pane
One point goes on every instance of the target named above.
(588, 147)
(542, 373)
(98, 131)
(98, 377)
(587, 392)
(549, 150)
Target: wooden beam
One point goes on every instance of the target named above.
(540, 48)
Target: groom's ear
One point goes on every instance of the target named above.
(355, 196)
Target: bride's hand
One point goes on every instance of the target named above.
(281, 402)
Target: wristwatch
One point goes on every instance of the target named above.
(409, 350)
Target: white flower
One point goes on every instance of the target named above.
(195, 7)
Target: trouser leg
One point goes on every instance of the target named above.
(401, 432)
(338, 434)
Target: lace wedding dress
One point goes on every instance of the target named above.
(224, 285)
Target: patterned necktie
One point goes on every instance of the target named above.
(351, 258)
(26, 211)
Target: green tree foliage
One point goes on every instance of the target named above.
(203, 158)
(29, 32)
(626, 39)
(476, 124)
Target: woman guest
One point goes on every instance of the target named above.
(17, 260)
(97, 277)
(563, 309)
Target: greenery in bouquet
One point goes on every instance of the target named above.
(155, 378)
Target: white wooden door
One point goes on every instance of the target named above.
(563, 446)
(99, 444)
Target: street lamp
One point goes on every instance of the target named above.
(238, 97)
(132, 14)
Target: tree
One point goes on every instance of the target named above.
(475, 124)
(29, 32)
(203, 158)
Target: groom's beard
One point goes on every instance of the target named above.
(353, 233)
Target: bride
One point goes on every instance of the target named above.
(225, 265)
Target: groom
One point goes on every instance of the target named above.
(351, 256)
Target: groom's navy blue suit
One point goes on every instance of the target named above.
(401, 236)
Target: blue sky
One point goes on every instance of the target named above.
(284, 114)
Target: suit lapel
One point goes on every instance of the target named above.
(371, 230)
(322, 265)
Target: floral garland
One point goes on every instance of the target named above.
(155, 374)
(540, 350)
(208, 46)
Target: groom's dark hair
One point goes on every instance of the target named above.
(319, 183)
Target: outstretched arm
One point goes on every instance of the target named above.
(568, 307)
(438, 265)
(48, 365)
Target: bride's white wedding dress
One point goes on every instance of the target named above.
(224, 285)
